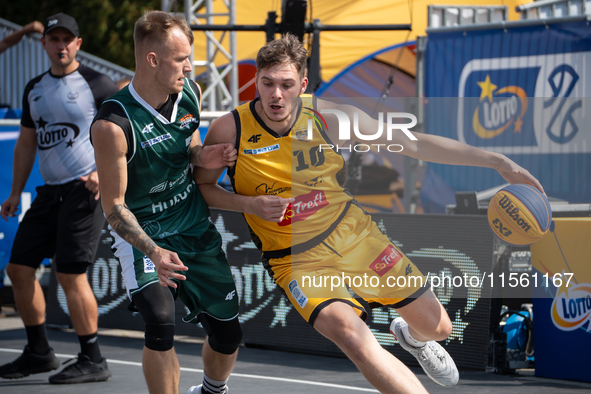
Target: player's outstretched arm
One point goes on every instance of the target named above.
(431, 148)
(110, 149)
(447, 151)
(271, 208)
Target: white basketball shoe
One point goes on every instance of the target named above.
(435, 360)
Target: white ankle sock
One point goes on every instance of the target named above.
(214, 386)
(409, 339)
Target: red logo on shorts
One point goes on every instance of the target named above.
(386, 260)
(304, 206)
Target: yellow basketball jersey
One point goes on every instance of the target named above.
(290, 166)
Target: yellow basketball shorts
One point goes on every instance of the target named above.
(357, 258)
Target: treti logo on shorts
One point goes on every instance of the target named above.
(386, 260)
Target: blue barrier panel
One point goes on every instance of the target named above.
(8, 137)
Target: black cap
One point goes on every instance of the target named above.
(61, 20)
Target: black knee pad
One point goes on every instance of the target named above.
(156, 305)
(224, 335)
(159, 337)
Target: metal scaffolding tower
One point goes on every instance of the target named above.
(216, 96)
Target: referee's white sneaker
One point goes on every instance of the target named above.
(435, 360)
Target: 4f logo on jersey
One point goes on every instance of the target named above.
(314, 181)
(148, 128)
(187, 120)
(254, 138)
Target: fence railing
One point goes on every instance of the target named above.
(24, 61)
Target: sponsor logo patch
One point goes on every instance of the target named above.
(263, 188)
(230, 295)
(149, 266)
(314, 181)
(303, 207)
(302, 135)
(51, 135)
(187, 120)
(159, 188)
(386, 260)
(261, 150)
(297, 293)
(254, 138)
(148, 128)
(156, 140)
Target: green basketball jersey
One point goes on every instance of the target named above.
(161, 192)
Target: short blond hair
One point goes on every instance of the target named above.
(155, 27)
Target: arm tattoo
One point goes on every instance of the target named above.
(126, 225)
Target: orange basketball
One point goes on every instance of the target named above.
(519, 215)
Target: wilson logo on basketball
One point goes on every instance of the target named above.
(386, 260)
(513, 212)
(303, 207)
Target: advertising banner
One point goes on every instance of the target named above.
(521, 91)
(562, 323)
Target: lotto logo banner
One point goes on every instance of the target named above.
(565, 250)
(571, 309)
(526, 104)
(562, 302)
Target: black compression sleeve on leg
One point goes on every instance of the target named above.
(156, 305)
(224, 335)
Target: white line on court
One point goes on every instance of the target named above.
(240, 375)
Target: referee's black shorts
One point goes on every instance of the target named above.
(64, 221)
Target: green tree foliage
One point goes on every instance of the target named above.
(106, 26)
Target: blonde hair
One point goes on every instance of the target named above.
(155, 27)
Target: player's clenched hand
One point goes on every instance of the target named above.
(91, 182)
(166, 263)
(9, 207)
(270, 208)
(217, 156)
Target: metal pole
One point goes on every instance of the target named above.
(212, 100)
(234, 59)
(189, 18)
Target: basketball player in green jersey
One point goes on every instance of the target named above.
(289, 185)
(146, 141)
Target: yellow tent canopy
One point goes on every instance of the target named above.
(339, 49)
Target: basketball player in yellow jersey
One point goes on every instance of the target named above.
(306, 224)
